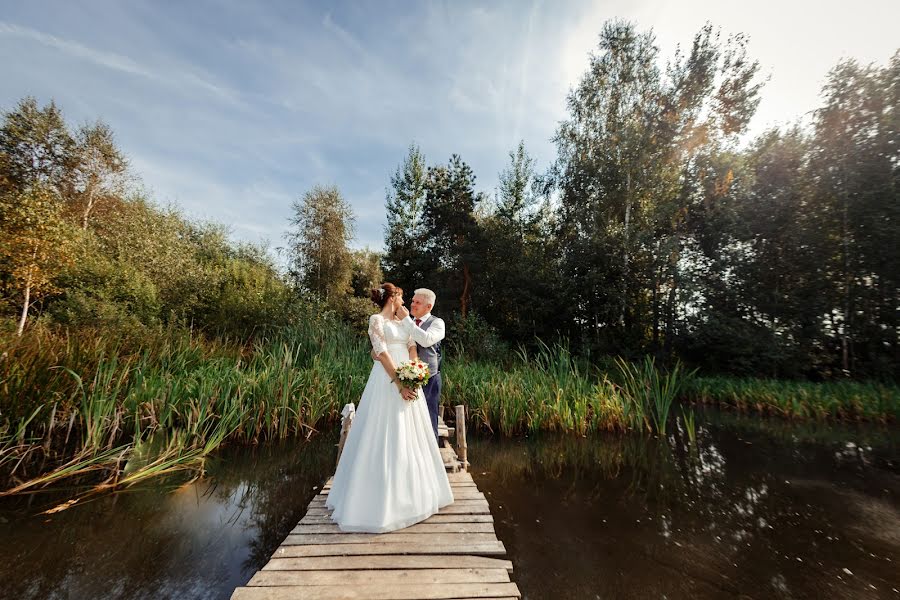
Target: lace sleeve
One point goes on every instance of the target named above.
(410, 343)
(376, 334)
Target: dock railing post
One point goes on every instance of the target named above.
(461, 446)
(346, 421)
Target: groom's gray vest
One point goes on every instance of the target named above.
(431, 355)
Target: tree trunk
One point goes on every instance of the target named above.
(670, 313)
(656, 283)
(25, 304)
(88, 209)
(626, 258)
(845, 338)
(464, 298)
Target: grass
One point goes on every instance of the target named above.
(114, 411)
(844, 400)
(649, 392)
(86, 405)
(551, 390)
(690, 425)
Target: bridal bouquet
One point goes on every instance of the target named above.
(413, 374)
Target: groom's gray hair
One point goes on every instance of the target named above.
(429, 296)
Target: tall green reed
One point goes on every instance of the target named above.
(649, 392)
(690, 425)
(866, 400)
(120, 410)
(192, 394)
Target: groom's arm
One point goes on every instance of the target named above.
(425, 337)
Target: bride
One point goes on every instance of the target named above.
(390, 474)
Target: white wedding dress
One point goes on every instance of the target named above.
(390, 474)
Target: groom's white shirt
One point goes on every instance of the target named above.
(425, 338)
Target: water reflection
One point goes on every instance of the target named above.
(163, 540)
(753, 510)
(750, 511)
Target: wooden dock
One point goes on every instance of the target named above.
(452, 555)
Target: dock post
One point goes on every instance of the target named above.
(461, 446)
(346, 421)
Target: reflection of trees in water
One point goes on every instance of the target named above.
(664, 475)
(732, 503)
(144, 542)
(280, 498)
(277, 495)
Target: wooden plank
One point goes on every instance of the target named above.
(453, 477)
(419, 528)
(362, 563)
(459, 518)
(479, 549)
(459, 491)
(466, 482)
(302, 539)
(463, 502)
(382, 577)
(397, 591)
(462, 485)
(467, 494)
(454, 485)
(457, 508)
(458, 494)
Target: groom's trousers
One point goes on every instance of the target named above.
(432, 391)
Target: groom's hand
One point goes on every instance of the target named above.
(402, 312)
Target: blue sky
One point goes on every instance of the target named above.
(232, 109)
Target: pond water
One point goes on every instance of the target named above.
(756, 509)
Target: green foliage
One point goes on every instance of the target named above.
(365, 272)
(36, 148)
(405, 262)
(473, 338)
(629, 158)
(320, 260)
(99, 170)
(355, 312)
(452, 237)
(522, 303)
(34, 244)
(654, 234)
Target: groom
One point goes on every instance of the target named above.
(427, 331)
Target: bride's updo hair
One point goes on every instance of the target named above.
(382, 294)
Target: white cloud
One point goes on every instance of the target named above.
(118, 62)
